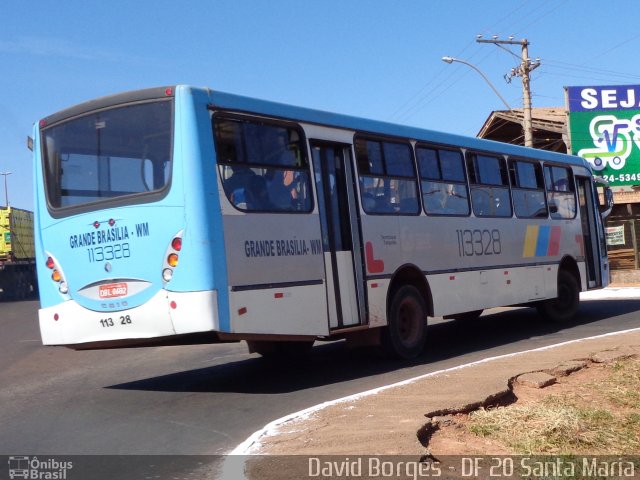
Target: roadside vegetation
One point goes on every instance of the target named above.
(598, 416)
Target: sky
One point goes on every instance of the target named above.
(378, 59)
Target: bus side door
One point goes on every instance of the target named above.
(341, 238)
(590, 234)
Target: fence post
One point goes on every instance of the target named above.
(635, 243)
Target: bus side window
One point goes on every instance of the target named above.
(561, 192)
(262, 165)
(489, 186)
(257, 195)
(387, 177)
(444, 188)
(527, 189)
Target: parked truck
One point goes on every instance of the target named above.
(17, 254)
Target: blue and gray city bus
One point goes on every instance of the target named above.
(179, 214)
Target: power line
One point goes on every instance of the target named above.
(433, 94)
(523, 71)
(598, 71)
(533, 22)
(615, 47)
(425, 95)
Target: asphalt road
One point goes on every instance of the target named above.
(205, 400)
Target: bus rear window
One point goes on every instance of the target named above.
(108, 154)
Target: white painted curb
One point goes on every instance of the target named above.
(233, 467)
(612, 294)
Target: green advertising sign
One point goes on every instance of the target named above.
(604, 127)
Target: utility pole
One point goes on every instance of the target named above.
(523, 70)
(6, 189)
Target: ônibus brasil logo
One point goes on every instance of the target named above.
(36, 469)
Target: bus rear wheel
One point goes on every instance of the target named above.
(406, 332)
(565, 306)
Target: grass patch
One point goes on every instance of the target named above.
(621, 387)
(600, 417)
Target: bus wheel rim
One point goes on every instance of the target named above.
(408, 322)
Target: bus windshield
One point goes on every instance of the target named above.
(106, 154)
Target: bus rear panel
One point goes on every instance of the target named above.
(117, 255)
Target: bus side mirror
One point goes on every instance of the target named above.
(605, 209)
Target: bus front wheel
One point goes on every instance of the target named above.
(565, 306)
(406, 332)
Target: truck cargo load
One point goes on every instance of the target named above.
(17, 256)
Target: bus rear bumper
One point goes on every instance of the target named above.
(165, 315)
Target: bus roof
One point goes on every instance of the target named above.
(251, 105)
(228, 101)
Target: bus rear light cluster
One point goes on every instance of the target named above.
(167, 274)
(171, 257)
(172, 260)
(97, 223)
(57, 276)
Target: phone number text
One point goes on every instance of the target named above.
(623, 177)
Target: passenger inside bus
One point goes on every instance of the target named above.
(282, 151)
(257, 194)
(236, 181)
(282, 189)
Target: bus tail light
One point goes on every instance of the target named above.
(171, 257)
(172, 260)
(57, 275)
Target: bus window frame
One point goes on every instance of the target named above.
(470, 156)
(138, 198)
(364, 136)
(259, 119)
(572, 189)
(511, 161)
(465, 183)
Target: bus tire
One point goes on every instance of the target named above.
(565, 306)
(405, 335)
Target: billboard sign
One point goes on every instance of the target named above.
(604, 127)
(615, 235)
